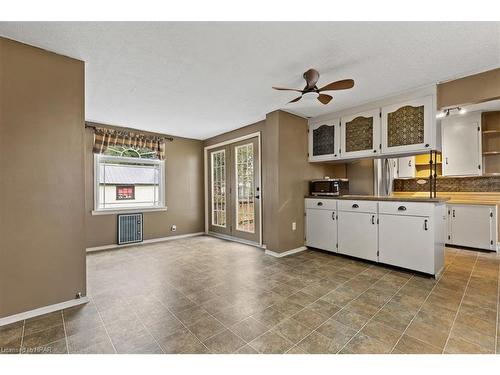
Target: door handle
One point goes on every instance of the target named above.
(409, 163)
(446, 160)
(373, 219)
(355, 205)
(453, 213)
(425, 224)
(401, 208)
(333, 215)
(319, 204)
(257, 196)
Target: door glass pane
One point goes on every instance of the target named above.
(218, 166)
(245, 200)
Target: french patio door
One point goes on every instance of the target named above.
(234, 190)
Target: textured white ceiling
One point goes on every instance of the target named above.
(199, 79)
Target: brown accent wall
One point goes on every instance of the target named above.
(285, 176)
(476, 88)
(294, 174)
(42, 220)
(184, 196)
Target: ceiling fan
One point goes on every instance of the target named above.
(311, 77)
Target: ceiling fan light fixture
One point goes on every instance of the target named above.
(310, 96)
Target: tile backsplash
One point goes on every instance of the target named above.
(451, 184)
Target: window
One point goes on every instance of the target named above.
(128, 179)
(125, 192)
(219, 188)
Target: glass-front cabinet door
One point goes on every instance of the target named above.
(324, 140)
(360, 134)
(409, 126)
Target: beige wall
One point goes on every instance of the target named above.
(476, 88)
(285, 176)
(42, 226)
(184, 195)
(360, 175)
(294, 174)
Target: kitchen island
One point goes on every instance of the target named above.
(409, 232)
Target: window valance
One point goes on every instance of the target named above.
(106, 139)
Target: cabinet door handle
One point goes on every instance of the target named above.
(446, 160)
(401, 208)
(453, 213)
(355, 205)
(409, 163)
(425, 225)
(333, 215)
(319, 204)
(373, 219)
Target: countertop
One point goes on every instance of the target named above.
(383, 198)
(469, 198)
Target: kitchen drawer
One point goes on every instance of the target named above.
(406, 208)
(358, 206)
(321, 204)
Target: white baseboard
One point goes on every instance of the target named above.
(285, 253)
(145, 242)
(42, 310)
(234, 239)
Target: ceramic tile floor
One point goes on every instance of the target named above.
(205, 295)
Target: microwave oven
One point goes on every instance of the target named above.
(329, 187)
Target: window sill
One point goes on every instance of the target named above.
(127, 211)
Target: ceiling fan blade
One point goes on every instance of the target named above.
(285, 89)
(325, 99)
(295, 100)
(338, 85)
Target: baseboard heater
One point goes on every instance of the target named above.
(130, 228)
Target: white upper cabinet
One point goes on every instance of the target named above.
(461, 140)
(409, 126)
(360, 134)
(324, 140)
(406, 167)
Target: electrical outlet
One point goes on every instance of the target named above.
(173, 228)
(294, 226)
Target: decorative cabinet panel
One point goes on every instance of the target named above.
(324, 140)
(360, 134)
(409, 126)
(461, 140)
(473, 226)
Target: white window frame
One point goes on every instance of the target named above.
(225, 188)
(99, 158)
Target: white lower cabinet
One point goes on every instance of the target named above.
(405, 241)
(472, 226)
(350, 225)
(404, 234)
(321, 224)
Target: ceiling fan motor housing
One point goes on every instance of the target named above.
(311, 77)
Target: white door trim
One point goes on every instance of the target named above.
(205, 163)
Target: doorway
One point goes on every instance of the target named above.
(233, 189)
